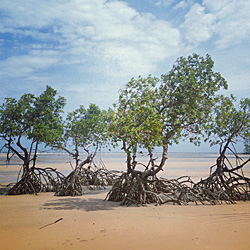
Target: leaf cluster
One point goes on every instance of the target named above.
(136, 120)
(84, 126)
(187, 95)
(154, 112)
(229, 122)
(34, 118)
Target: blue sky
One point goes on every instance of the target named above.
(88, 49)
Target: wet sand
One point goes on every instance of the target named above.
(88, 222)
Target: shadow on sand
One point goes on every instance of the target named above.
(80, 203)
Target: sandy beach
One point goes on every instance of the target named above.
(89, 222)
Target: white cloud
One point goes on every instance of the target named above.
(24, 65)
(165, 3)
(198, 24)
(73, 44)
(227, 21)
(184, 4)
(106, 33)
(181, 5)
(233, 21)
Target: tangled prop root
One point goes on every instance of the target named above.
(37, 180)
(134, 190)
(226, 184)
(85, 177)
(182, 191)
(72, 184)
(227, 181)
(106, 177)
(131, 190)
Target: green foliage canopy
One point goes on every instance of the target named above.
(230, 122)
(34, 119)
(83, 128)
(154, 112)
(187, 94)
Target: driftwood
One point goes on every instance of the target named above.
(51, 223)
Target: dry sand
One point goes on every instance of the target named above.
(88, 222)
(91, 223)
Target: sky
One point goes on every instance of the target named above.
(88, 49)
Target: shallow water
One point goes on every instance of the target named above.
(193, 164)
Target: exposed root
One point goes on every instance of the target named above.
(72, 184)
(37, 180)
(85, 177)
(129, 190)
(227, 179)
(106, 177)
(229, 186)
(226, 184)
